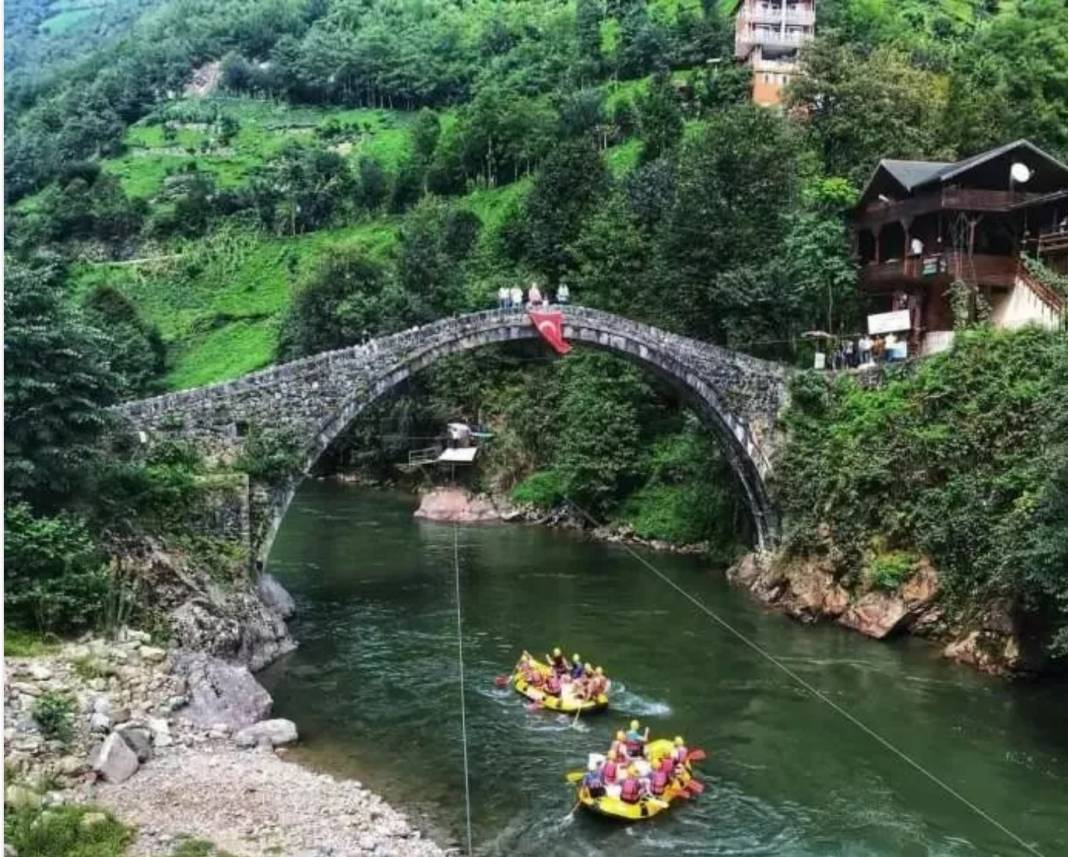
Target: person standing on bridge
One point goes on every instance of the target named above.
(504, 297)
(517, 297)
(563, 294)
(534, 295)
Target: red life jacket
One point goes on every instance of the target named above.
(634, 747)
(609, 772)
(630, 791)
(667, 767)
(658, 782)
(679, 754)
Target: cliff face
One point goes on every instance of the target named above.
(216, 608)
(806, 589)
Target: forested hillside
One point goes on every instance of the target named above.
(226, 184)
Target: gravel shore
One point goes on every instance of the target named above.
(180, 746)
(252, 803)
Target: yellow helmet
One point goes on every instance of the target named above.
(588, 667)
(599, 670)
(576, 658)
(634, 725)
(678, 741)
(557, 652)
(621, 735)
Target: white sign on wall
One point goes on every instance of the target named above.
(889, 322)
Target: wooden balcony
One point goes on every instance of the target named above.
(940, 269)
(948, 199)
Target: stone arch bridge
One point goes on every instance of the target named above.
(316, 398)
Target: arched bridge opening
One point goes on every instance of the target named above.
(317, 398)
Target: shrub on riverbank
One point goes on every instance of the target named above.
(65, 831)
(963, 458)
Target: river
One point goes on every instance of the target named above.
(374, 690)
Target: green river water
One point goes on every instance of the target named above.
(374, 690)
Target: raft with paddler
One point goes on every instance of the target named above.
(554, 684)
(637, 778)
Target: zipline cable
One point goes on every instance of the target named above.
(756, 647)
(463, 704)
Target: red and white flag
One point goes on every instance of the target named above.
(550, 324)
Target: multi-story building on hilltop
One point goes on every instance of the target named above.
(767, 36)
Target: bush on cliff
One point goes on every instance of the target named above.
(962, 458)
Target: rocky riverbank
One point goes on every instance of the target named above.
(808, 590)
(179, 744)
(452, 504)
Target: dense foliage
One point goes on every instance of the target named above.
(199, 188)
(963, 459)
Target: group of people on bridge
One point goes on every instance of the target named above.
(625, 772)
(533, 298)
(575, 680)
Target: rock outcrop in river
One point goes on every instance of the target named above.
(809, 591)
(456, 505)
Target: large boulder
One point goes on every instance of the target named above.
(222, 693)
(140, 741)
(456, 505)
(274, 595)
(876, 614)
(277, 731)
(114, 760)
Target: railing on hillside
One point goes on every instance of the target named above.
(1044, 293)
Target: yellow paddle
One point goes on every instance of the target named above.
(574, 776)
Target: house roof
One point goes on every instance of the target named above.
(911, 175)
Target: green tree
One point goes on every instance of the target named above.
(372, 185)
(597, 447)
(435, 239)
(347, 300)
(612, 256)
(58, 381)
(138, 354)
(659, 118)
(54, 574)
(588, 16)
(735, 189)
(566, 189)
(857, 109)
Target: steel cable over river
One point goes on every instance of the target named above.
(373, 688)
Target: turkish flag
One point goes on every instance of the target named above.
(550, 324)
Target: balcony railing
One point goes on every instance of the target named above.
(979, 269)
(772, 15)
(1053, 241)
(956, 199)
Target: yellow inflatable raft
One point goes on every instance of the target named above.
(681, 787)
(565, 704)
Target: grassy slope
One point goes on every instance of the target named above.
(265, 127)
(219, 303)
